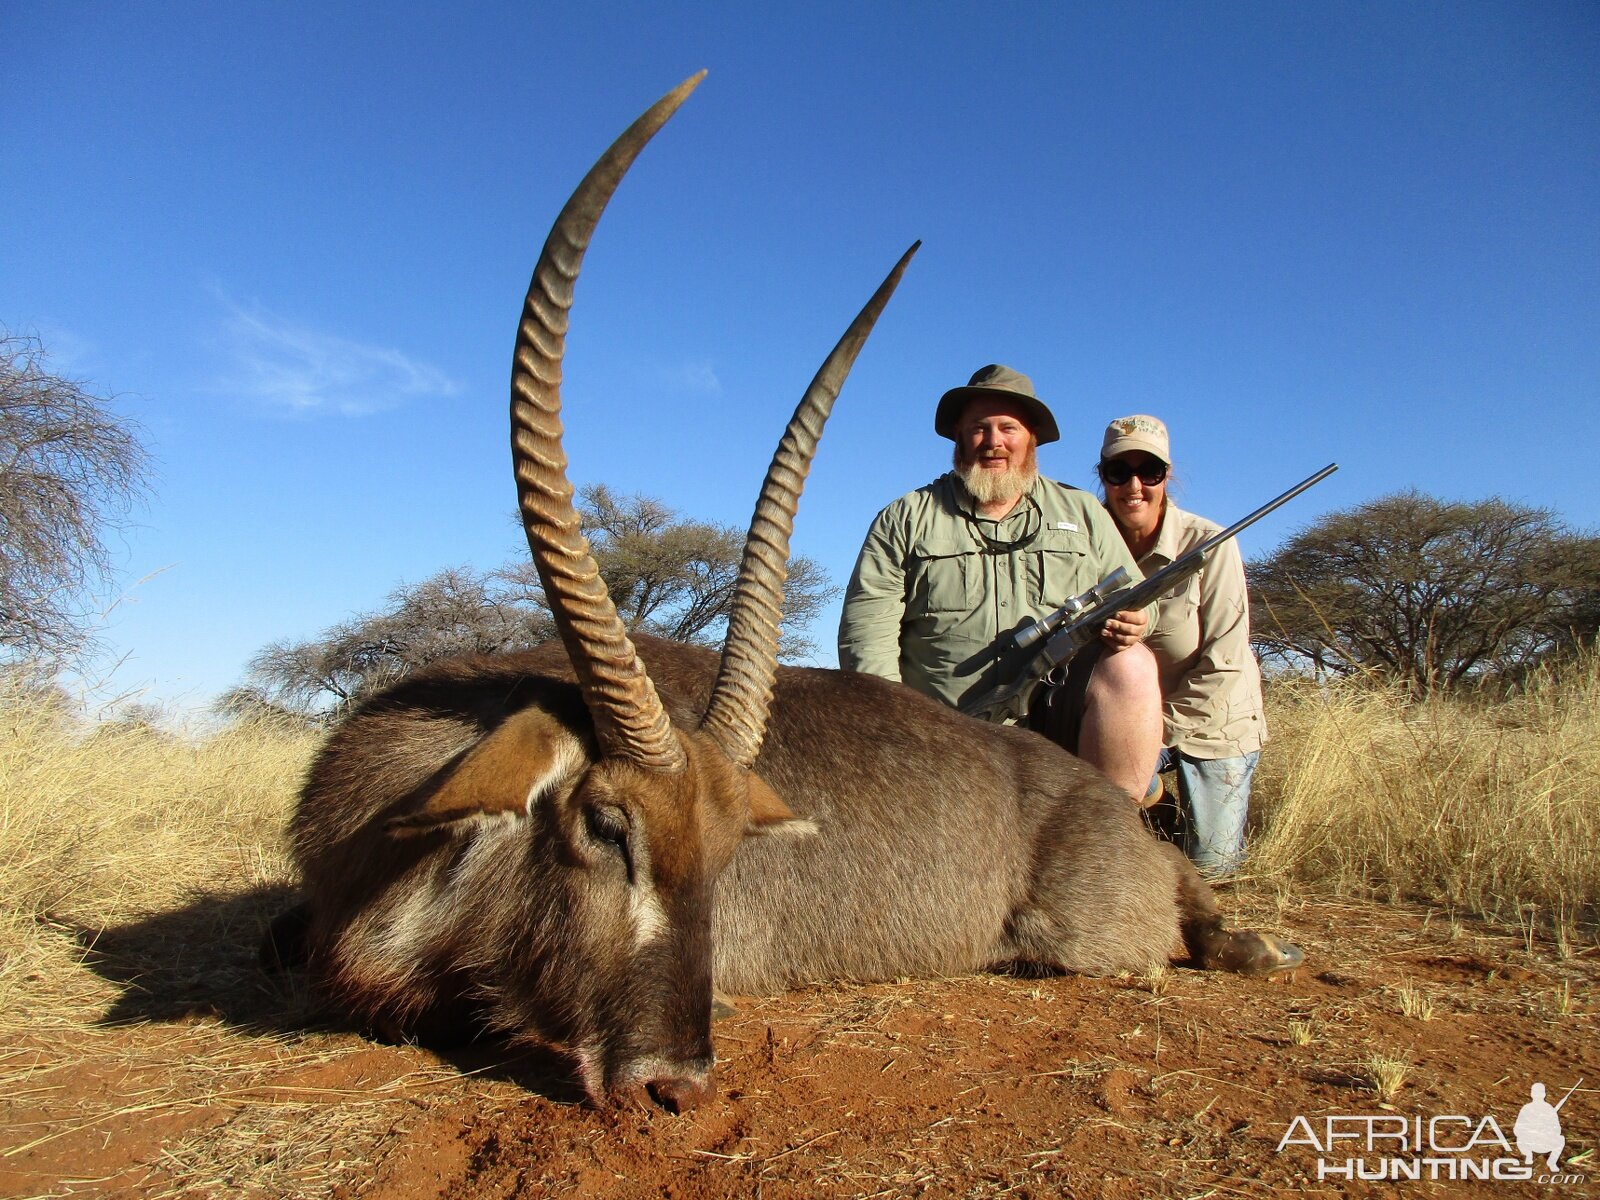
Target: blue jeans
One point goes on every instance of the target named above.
(1215, 798)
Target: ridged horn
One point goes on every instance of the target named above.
(736, 716)
(629, 719)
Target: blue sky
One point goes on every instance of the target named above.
(293, 240)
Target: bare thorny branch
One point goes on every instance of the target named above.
(71, 469)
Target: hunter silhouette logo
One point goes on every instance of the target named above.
(1538, 1127)
(1394, 1147)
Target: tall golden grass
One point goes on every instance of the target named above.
(136, 870)
(1481, 804)
(101, 824)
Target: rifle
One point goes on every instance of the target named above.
(1077, 622)
(1568, 1095)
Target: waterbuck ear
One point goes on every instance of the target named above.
(526, 757)
(770, 815)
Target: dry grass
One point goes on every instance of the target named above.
(1491, 809)
(101, 826)
(1386, 1074)
(136, 867)
(1485, 807)
(1413, 1002)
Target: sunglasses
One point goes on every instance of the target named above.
(1115, 472)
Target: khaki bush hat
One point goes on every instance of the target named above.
(1137, 432)
(995, 380)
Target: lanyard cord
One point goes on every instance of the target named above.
(1031, 527)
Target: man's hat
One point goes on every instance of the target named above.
(1137, 432)
(995, 380)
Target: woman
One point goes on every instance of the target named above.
(1200, 635)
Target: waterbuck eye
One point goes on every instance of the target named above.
(608, 825)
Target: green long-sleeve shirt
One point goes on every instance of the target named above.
(938, 591)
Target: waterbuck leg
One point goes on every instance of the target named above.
(1214, 947)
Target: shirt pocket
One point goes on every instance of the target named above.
(943, 576)
(1059, 567)
(1185, 597)
(1175, 623)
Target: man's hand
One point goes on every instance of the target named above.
(1123, 630)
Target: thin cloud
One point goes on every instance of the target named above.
(290, 367)
(68, 353)
(693, 378)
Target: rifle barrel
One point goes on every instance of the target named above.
(1206, 546)
(1568, 1095)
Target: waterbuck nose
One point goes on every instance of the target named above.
(679, 1094)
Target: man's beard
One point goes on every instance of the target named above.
(997, 487)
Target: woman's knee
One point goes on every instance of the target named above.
(1129, 673)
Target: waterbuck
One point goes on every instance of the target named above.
(574, 844)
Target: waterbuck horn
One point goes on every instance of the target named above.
(629, 719)
(736, 716)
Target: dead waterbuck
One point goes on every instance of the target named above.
(558, 842)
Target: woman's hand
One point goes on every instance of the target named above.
(1123, 630)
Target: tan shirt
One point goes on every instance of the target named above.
(1210, 681)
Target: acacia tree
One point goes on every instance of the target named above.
(456, 612)
(70, 470)
(667, 575)
(1429, 592)
(674, 576)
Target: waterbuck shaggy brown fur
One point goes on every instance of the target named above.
(559, 843)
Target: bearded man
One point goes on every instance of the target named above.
(951, 571)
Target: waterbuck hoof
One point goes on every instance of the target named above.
(1246, 952)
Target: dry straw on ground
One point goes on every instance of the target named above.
(136, 866)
